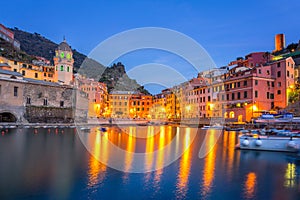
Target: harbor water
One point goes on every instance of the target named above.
(53, 163)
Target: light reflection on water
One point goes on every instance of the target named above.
(53, 163)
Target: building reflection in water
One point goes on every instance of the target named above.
(250, 185)
(228, 153)
(209, 163)
(185, 166)
(96, 172)
(290, 175)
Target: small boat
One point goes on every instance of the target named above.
(102, 129)
(85, 129)
(218, 127)
(244, 131)
(269, 143)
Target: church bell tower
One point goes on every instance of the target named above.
(63, 62)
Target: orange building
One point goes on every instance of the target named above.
(140, 105)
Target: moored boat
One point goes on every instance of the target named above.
(218, 127)
(269, 143)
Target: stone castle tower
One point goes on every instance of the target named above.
(63, 62)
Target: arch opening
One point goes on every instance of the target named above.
(7, 117)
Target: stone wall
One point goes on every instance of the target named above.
(40, 114)
(42, 102)
(9, 103)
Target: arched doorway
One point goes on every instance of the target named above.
(7, 117)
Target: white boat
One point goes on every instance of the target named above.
(218, 127)
(269, 143)
(84, 128)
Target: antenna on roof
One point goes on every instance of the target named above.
(64, 39)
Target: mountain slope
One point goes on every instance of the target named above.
(36, 45)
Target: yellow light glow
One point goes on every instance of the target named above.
(255, 108)
(290, 176)
(188, 108)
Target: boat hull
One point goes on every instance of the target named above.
(284, 144)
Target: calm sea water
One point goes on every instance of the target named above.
(54, 164)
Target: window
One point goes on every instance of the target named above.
(45, 102)
(23, 72)
(279, 84)
(45, 74)
(273, 84)
(288, 73)
(232, 96)
(56, 68)
(208, 98)
(62, 68)
(15, 62)
(125, 103)
(245, 94)
(278, 91)
(15, 91)
(259, 71)
(238, 84)
(203, 99)
(278, 64)
(36, 75)
(245, 83)
(68, 69)
(28, 100)
(120, 103)
(279, 74)
(62, 103)
(271, 96)
(268, 72)
(268, 83)
(227, 97)
(256, 82)
(256, 94)
(15, 70)
(223, 97)
(238, 95)
(268, 95)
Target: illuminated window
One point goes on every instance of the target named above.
(231, 114)
(225, 115)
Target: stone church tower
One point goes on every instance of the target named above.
(63, 62)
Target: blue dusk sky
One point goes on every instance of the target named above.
(225, 29)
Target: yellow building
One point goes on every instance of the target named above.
(39, 72)
(158, 110)
(119, 104)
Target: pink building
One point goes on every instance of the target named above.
(251, 91)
